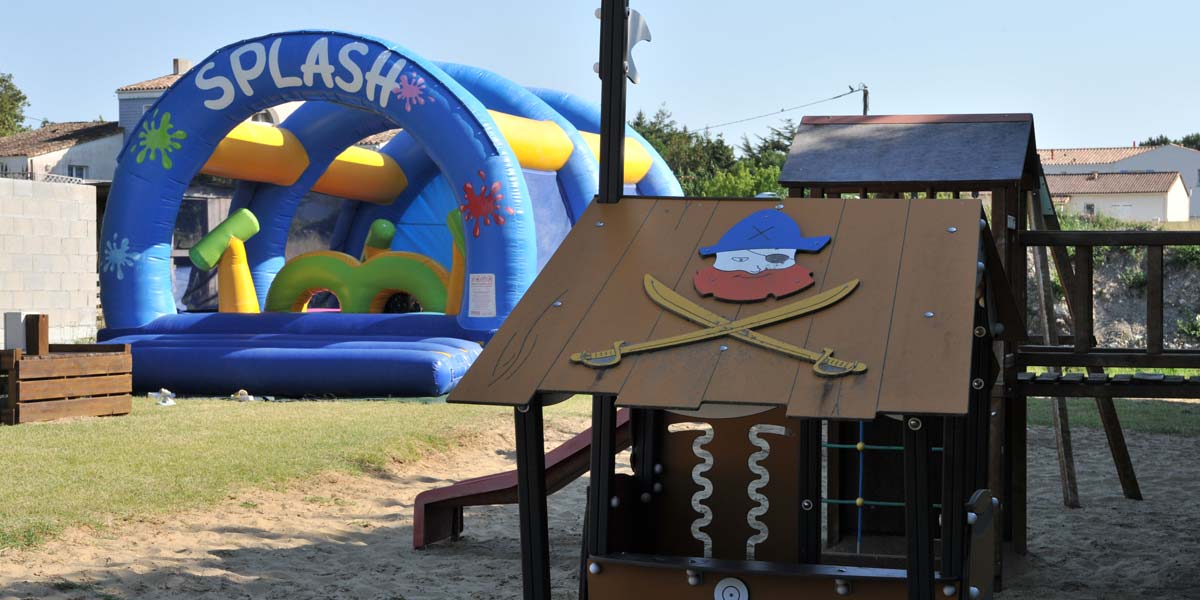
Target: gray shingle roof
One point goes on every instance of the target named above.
(909, 148)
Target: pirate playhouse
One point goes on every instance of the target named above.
(881, 321)
(739, 332)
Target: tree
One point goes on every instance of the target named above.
(706, 165)
(694, 157)
(1191, 140)
(772, 149)
(12, 106)
(1158, 140)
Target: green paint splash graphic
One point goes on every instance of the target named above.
(159, 138)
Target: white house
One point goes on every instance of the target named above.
(1129, 159)
(1152, 196)
(135, 99)
(83, 149)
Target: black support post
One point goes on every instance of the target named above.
(810, 490)
(604, 427)
(917, 509)
(613, 40)
(531, 492)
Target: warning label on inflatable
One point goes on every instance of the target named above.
(482, 299)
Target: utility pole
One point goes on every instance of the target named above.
(866, 99)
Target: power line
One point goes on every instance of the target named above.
(862, 87)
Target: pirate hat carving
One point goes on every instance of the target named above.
(765, 229)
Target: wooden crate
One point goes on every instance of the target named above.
(70, 380)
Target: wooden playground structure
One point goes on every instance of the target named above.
(852, 424)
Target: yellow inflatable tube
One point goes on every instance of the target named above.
(637, 160)
(261, 152)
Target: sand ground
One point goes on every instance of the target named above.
(350, 537)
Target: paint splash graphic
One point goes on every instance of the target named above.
(158, 138)
(412, 92)
(117, 256)
(483, 206)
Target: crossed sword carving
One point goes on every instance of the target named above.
(824, 364)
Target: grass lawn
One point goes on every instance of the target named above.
(1152, 416)
(157, 460)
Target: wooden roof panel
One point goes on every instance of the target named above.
(938, 274)
(868, 247)
(772, 373)
(597, 275)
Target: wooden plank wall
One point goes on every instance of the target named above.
(67, 381)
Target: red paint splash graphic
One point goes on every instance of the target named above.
(484, 205)
(412, 91)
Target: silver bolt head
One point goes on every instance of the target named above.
(983, 223)
(646, 497)
(658, 469)
(599, 223)
(806, 504)
(614, 502)
(557, 303)
(972, 518)
(594, 568)
(778, 207)
(723, 348)
(949, 591)
(693, 580)
(980, 331)
(914, 424)
(928, 314)
(952, 229)
(974, 592)
(979, 266)
(658, 488)
(977, 383)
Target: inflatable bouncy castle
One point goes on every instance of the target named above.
(459, 211)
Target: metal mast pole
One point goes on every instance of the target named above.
(613, 43)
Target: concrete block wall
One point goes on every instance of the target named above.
(48, 255)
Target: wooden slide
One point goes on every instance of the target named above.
(438, 513)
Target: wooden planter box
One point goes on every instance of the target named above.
(71, 380)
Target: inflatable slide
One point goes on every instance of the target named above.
(451, 219)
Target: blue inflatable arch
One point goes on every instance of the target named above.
(181, 130)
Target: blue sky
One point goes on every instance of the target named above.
(1092, 73)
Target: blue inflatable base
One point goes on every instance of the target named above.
(300, 354)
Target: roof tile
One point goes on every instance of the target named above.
(1090, 156)
(158, 83)
(56, 136)
(1066, 184)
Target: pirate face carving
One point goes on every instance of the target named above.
(755, 261)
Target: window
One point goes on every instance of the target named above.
(79, 171)
(1090, 209)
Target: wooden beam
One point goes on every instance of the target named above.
(1120, 451)
(1058, 411)
(1154, 299)
(37, 335)
(1110, 238)
(1083, 298)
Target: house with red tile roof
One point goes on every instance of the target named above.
(1144, 196)
(1129, 159)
